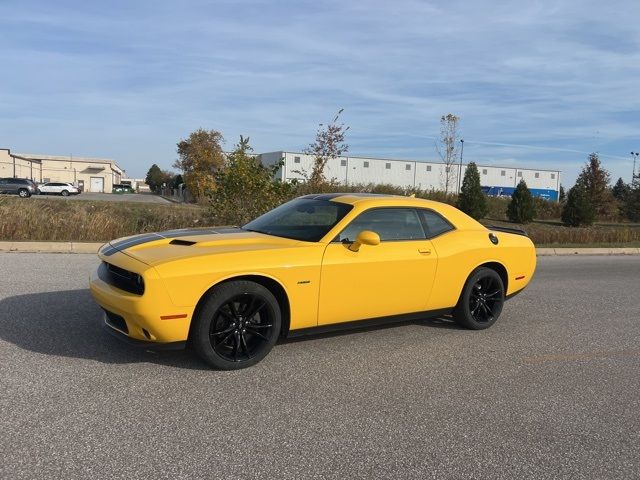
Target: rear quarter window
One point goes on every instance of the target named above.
(435, 223)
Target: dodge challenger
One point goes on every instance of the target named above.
(316, 263)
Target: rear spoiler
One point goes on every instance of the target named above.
(515, 231)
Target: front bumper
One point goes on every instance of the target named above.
(123, 337)
(141, 315)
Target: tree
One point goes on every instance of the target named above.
(200, 157)
(620, 189)
(578, 210)
(245, 188)
(471, 199)
(177, 180)
(631, 205)
(595, 180)
(329, 144)
(155, 178)
(448, 149)
(561, 194)
(521, 208)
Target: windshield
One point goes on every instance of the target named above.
(301, 219)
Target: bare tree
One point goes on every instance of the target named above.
(329, 144)
(447, 148)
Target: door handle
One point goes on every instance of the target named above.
(424, 251)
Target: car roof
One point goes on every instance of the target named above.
(372, 200)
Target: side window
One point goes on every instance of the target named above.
(389, 223)
(436, 224)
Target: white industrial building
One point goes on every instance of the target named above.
(415, 174)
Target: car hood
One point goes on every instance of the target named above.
(156, 248)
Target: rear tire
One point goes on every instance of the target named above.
(237, 325)
(481, 300)
(24, 193)
(64, 193)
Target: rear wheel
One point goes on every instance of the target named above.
(237, 326)
(64, 193)
(24, 193)
(481, 301)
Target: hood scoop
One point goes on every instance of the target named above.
(184, 243)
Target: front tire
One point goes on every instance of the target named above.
(237, 325)
(481, 300)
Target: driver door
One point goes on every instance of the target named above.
(394, 277)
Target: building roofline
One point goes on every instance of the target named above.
(420, 161)
(66, 158)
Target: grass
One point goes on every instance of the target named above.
(547, 232)
(90, 221)
(100, 221)
(590, 245)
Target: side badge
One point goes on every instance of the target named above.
(493, 239)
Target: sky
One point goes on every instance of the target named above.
(536, 84)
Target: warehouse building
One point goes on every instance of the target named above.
(496, 181)
(90, 174)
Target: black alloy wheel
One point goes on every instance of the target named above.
(241, 327)
(485, 298)
(237, 325)
(481, 301)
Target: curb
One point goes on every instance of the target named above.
(547, 252)
(92, 247)
(50, 247)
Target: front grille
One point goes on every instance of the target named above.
(117, 322)
(120, 278)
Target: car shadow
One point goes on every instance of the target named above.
(69, 324)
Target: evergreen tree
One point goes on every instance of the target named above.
(620, 189)
(177, 180)
(578, 210)
(154, 177)
(521, 208)
(471, 199)
(631, 206)
(596, 182)
(562, 196)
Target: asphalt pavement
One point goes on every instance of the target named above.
(550, 391)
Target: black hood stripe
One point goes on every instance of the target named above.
(112, 248)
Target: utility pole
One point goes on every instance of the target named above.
(634, 155)
(460, 168)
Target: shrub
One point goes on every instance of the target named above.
(578, 210)
(521, 208)
(245, 189)
(471, 199)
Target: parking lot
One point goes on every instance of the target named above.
(111, 197)
(550, 391)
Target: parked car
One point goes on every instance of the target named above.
(122, 188)
(316, 263)
(18, 186)
(57, 188)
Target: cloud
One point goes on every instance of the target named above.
(536, 83)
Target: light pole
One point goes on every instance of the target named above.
(460, 168)
(634, 155)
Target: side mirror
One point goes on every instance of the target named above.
(365, 237)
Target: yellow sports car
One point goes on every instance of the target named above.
(316, 263)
